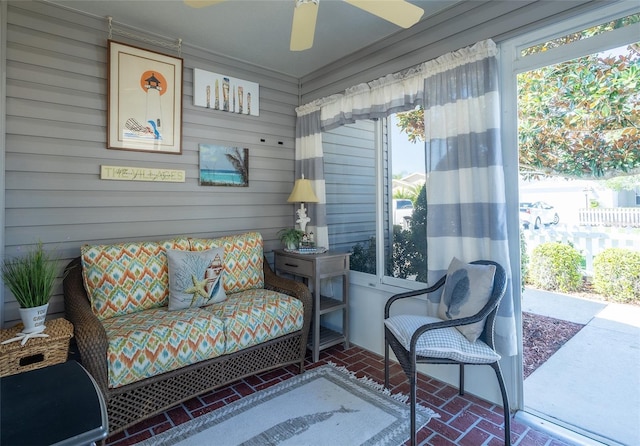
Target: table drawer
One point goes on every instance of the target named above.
(333, 265)
(294, 266)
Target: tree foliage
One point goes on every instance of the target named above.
(580, 118)
(576, 119)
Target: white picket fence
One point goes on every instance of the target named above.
(589, 241)
(618, 217)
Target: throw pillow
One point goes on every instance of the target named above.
(195, 278)
(467, 290)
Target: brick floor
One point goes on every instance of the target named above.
(464, 420)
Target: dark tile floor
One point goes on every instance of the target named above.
(467, 420)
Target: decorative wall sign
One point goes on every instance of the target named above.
(225, 93)
(145, 100)
(141, 174)
(223, 166)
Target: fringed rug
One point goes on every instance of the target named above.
(327, 405)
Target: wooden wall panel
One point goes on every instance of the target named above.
(56, 108)
(350, 177)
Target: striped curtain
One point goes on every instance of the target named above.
(309, 162)
(466, 205)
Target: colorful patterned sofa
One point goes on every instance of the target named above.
(157, 323)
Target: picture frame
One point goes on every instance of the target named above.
(225, 93)
(223, 166)
(144, 105)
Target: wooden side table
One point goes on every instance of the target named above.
(312, 268)
(36, 352)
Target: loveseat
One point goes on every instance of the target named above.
(157, 323)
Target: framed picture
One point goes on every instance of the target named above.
(225, 93)
(144, 100)
(223, 166)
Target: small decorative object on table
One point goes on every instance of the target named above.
(291, 237)
(308, 250)
(37, 353)
(30, 278)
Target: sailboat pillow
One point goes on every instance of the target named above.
(467, 289)
(195, 278)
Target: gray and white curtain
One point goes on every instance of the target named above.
(309, 162)
(466, 206)
(465, 179)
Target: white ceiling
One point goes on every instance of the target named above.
(254, 31)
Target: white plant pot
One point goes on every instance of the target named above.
(292, 245)
(33, 318)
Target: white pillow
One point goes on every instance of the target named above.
(195, 278)
(441, 343)
(466, 290)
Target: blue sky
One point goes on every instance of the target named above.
(408, 157)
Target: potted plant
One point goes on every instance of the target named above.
(30, 279)
(290, 237)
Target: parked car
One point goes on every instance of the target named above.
(537, 213)
(402, 212)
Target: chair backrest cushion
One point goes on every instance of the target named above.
(466, 291)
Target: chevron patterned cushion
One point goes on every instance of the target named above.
(257, 315)
(156, 341)
(124, 278)
(243, 257)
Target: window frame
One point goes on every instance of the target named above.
(513, 63)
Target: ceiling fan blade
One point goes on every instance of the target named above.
(399, 12)
(303, 27)
(201, 3)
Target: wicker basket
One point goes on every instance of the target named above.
(37, 352)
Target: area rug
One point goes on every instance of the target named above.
(327, 405)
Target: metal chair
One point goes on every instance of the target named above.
(434, 331)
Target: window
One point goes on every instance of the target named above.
(350, 168)
(406, 253)
(371, 165)
(584, 34)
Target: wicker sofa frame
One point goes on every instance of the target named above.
(134, 402)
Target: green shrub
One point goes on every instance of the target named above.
(616, 274)
(363, 257)
(555, 266)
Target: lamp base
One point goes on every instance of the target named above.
(302, 220)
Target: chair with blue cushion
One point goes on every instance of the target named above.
(463, 334)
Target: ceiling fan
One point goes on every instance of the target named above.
(398, 12)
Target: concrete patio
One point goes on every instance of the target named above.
(592, 384)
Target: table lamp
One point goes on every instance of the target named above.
(302, 193)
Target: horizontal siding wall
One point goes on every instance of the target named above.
(56, 117)
(350, 177)
(459, 26)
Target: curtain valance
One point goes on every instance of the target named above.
(392, 93)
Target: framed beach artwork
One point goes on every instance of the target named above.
(223, 166)
(226, 93)
(144, 100)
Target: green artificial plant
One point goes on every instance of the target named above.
(290, 237)
(31, 277)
